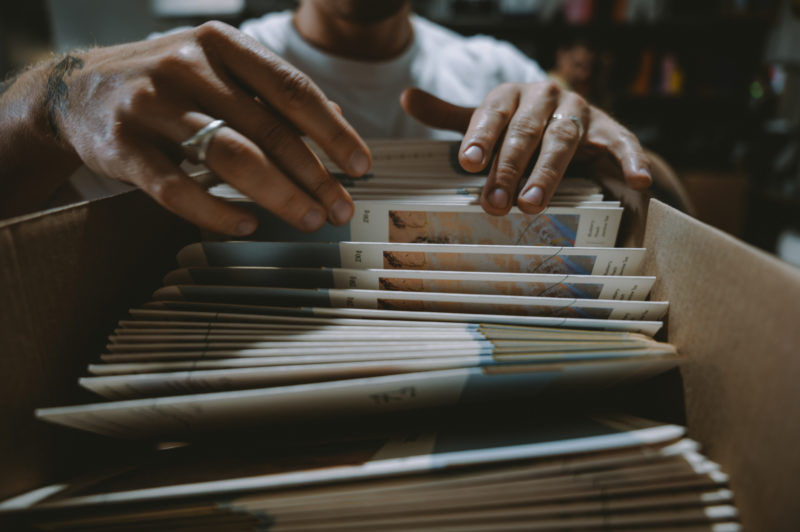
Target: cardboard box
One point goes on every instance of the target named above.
(67, 275)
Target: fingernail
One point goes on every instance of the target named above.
(245, 227)
(474, 154)
(534, 196)
(341, 212)
(313, 219)
(359, 163)
(498, 198)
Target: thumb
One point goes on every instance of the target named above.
(434, 112)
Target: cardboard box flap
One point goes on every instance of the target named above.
(66, 276)
(735, 314)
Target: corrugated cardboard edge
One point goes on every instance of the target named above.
(66, 276)
(631, 231)
(735, 314)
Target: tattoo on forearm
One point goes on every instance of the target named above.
(57, 90)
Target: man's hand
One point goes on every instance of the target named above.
(126, 109)
(514, 121)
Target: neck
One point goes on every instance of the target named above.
(376, 41)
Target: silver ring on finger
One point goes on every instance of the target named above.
(196, 146)
(575, 120)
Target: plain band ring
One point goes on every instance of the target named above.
(196, 146)
(575, 120)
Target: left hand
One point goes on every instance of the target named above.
(515, 120)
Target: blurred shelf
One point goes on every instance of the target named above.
(670, 102)
(712, 29)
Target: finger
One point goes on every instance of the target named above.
(282, 144)
(287, 89)
(486, 126)
(241, 163)
(159, 177)
(521, 139)
(608, 135)
(559, 143)
(435, 112)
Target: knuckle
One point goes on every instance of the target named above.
(500, 113)
(522, 133)
(548, 175)
(273, 136)
(289, 205)
(321, 186)
(630, 139)
(504, 88)
(339, 134)
(127, 113)
(578, 101)
(563, 131)
(295, 85)
(140, 100)
(550, 89)
(118, 131)
(177, 62)
(238, 153)
(213, 30)
(482, 136)
(623, 141)
(167, 190)
(123, 113)
(508, 172)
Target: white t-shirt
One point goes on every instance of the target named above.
(461, 70)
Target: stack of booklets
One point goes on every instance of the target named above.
(482, 473)
(422, 301)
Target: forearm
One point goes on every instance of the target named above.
(34, 159)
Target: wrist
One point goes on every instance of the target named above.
(35, 160)
(59, 82)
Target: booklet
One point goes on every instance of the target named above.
(393, 256)
(426, 163)
(289, 320)
(385, 221)
(464, 192)
(343, 337)
(452, 223)
(641, 326)
(418, 301)
(520, 284)
(174, 416)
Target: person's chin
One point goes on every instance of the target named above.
(366, 11)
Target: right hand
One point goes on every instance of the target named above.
(126, 109)
(517, 119)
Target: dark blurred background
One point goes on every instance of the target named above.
(712, 86)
